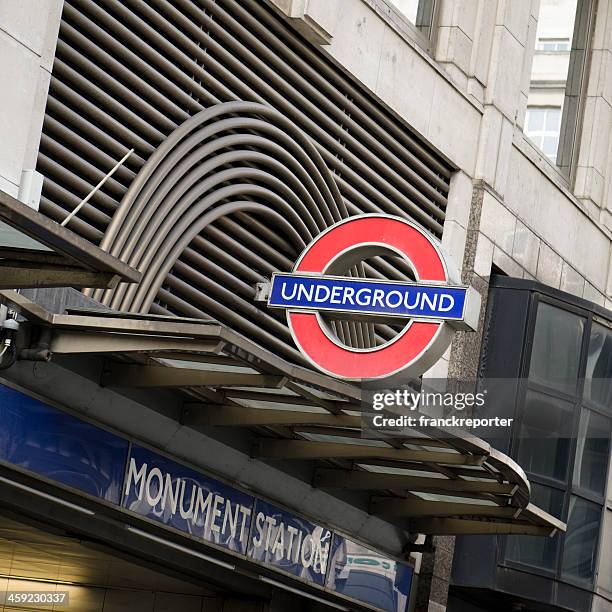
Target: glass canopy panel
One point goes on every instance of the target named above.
(206, 366)
(314, 437)
(14, 239)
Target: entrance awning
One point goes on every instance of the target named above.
(38, 252)
(431, 481)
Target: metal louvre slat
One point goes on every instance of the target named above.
(158, 70)
(88, 132)
(103, 98)
(95, 114)
(324, 130)
(77, 145)
(348, 96)
(57, 213)
(128, 73)
(129, 78)
(75, 184)
(84, 169)
(335, 115)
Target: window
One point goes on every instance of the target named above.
(562, 439)
(580, 550)
(534, 550)
(557, 78)
(592, 449)
(598, 383)
(420, 13)
(542, 125)
(544, 441)
(553, 44)
(555, 356)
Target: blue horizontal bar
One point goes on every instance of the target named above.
(367, 297)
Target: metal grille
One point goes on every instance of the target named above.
(128, 73)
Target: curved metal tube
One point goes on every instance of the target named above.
(189, 227)
(213, 179)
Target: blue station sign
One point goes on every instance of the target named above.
(175, 495)
(56, 445)
(346, 296)
(290, 543)
(71, 451)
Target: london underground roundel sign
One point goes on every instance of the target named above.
(433, 306)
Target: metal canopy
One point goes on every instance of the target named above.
(45, 254)
(431, 482)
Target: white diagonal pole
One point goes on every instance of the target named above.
(91, 193)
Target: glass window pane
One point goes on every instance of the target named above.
(408, 7)
(418, 12)
(559, 44)
(545, 435)
(549, 145)
(580, 547)
(557, 72)
(598, 376)
(592, 450)
(557, 341)
(535, 119)
(553, 120)
(537, 141)
(534, 550)
(548, 499)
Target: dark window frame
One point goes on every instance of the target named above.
(568, 488)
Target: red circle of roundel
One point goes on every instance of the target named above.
(379, 362)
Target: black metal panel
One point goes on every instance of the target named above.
(475, 561)
(504, 333)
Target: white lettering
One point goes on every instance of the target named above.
(259, 520)
(188, 513)
(335, 295)
(215, 513)
(298, 547)
(379, 294)
(292, 531)
(284, 293)
(451, 302)
(305, 293)
(390, 303)
(168, 493)
(137, 476)
(202, 505)
(279, 542)
(307, 548)
(431, 303)
(246, 513)
(349, 292)
(270, 522)
(231, 518)
(365, 301)
(153, 500)
(407, 303)
(318, 294)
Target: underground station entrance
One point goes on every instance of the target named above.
(276, 442)
(76, 574)
(81, 508)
